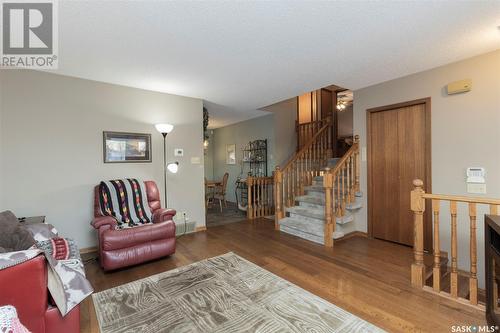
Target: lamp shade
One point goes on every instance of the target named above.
(173, 167)
(164, 128)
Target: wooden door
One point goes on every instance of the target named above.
(326, 103)
(384, 155)
(399, 152)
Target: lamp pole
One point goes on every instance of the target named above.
(165, 165)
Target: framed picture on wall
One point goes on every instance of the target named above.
(122, 147)
(231, 154)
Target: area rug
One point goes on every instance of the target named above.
(221, 294)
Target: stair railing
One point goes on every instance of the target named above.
(306, 131)
(299, 171)
(341, 184)
(260, 197)
(418, 275)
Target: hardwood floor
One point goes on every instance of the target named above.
(367, 277)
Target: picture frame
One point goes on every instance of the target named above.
(126, 147)
(231, 154)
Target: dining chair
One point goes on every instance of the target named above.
(220, 191)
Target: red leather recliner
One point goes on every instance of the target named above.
(126, 247)
(24, 286)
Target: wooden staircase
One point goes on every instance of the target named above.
(306, 219)
(315, 194)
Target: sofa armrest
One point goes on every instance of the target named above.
(25, 288)
(100, 221)
(163, 214)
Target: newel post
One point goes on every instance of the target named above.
(329, 225)
(418, 208)
(250, 198)
(278, 181)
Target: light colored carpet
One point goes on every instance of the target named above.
(221, 294)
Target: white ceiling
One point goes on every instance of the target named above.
(241, 56)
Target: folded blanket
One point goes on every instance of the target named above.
(66, 278)
(126, 201)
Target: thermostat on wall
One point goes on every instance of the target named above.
(476, 180)
(179, 152)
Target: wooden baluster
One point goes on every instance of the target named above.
(328, 232)
(348, 173)
(267, 204)
(257, 201)
(493, 210)
(249, 198)
(418, 208)
(266, 197)
(343, 189)
(301, 176)
(289, 188)
(454, 241)
(436, 271)
(473, 254)
(263, 198)
(358, 162)
(296, 178)
(278, 204)
(353, 190)
(339, 197)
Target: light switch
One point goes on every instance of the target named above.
(476, 188)
(178, 152)
(195, 160)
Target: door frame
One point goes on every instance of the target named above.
(428, 163)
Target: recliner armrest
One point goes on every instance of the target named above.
(104, 220)
(163, 214)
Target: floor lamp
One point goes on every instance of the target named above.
(164, 129)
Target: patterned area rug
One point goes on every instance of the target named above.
(222, 294)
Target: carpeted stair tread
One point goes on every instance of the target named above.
(318, 214)
(302, 229)
(315, 216)
(310, 199)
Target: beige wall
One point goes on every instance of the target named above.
(285, 134)
(465, 132)
(51, 141)
(209, 156)
(240, 134)
(345, 121)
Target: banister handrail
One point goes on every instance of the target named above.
(319, 121)
(306, 146)
(458, 198)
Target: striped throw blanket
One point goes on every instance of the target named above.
(125, 200)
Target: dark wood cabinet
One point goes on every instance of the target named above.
(492, 268)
